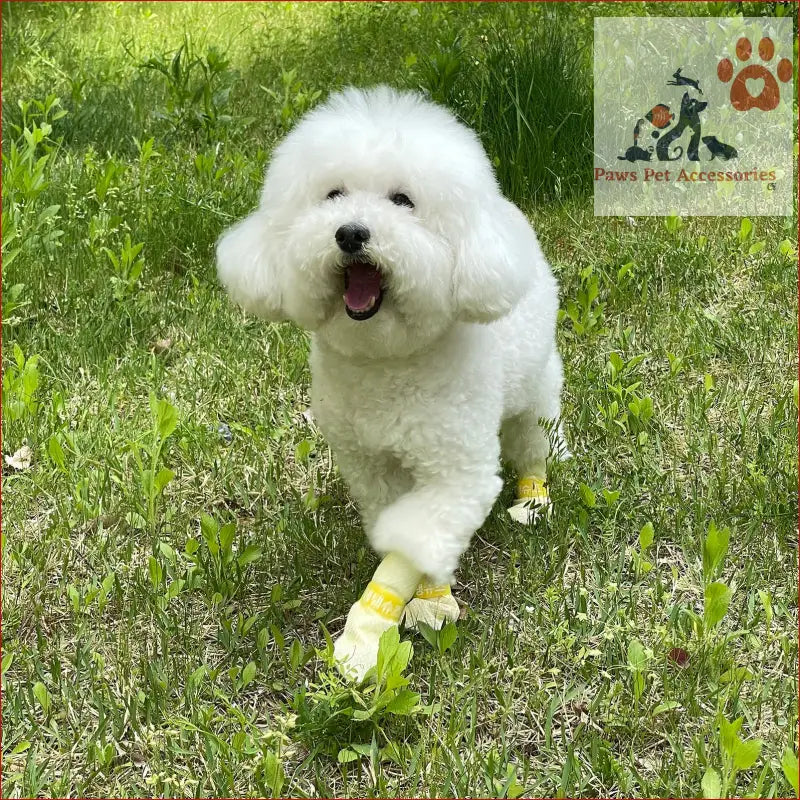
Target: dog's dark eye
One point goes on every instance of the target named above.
(334, 193)
(400, 199)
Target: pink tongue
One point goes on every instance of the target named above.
(363, 285)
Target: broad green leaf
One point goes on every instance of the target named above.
(346, 755)
(711, 784)
(728, 734)
(136, 520)
(717, 600)
(303, 449)
(165, 416)
(42, 695)
(396, 681)
(610, 497)
(745, 230)
(273, 773)
(637, 657)
(295, 654)
(8, 660)
(789, 765)
(428, 633)
(226, 533)
(387, 647)
(637, 660)
(403, 703)
(248, 673)
(646, 536)
(736, 675)
(669, 705)
(147, 482)
(250, 553)
(166, 551)
(714, 549)
(209, 528)
(746, 754)
(756, 247)
(21, 747)
(588, 496)
(401, 657)
(447, 636)
(56, 452)
(162, 479)
(155, 570)
(766, 602)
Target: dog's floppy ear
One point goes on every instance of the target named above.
(248, 269)
(496, 262)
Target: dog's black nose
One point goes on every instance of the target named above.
(351, 237)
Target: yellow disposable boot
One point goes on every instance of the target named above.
(380, 607)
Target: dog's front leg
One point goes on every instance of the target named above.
(379, 608)
(432, 525)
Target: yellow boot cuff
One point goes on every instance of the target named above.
(430, 591)
(532, 488)
(383, 601)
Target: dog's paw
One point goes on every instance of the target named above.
(528, 511)
(434, 611)
(533, 501)
(356, 648)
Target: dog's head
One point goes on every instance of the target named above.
(380, 225)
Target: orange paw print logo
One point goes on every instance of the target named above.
(742, 99)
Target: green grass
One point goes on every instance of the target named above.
(168, 579)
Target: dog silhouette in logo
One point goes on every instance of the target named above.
(689, 117)
(661, 118)
(682, 80)
(719, 149)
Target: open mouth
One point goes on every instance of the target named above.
(362, 290)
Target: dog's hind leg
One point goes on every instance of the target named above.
(526, 442)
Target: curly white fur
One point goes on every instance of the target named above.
(461, 354)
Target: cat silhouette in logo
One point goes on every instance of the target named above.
(689, 117)
(681, 80)
(660, 117)
(636, 153)
(719, 149)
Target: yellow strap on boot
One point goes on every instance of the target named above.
(431, 591)
(532, 488)
(383, 601)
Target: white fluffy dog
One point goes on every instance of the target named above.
(381, 229)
